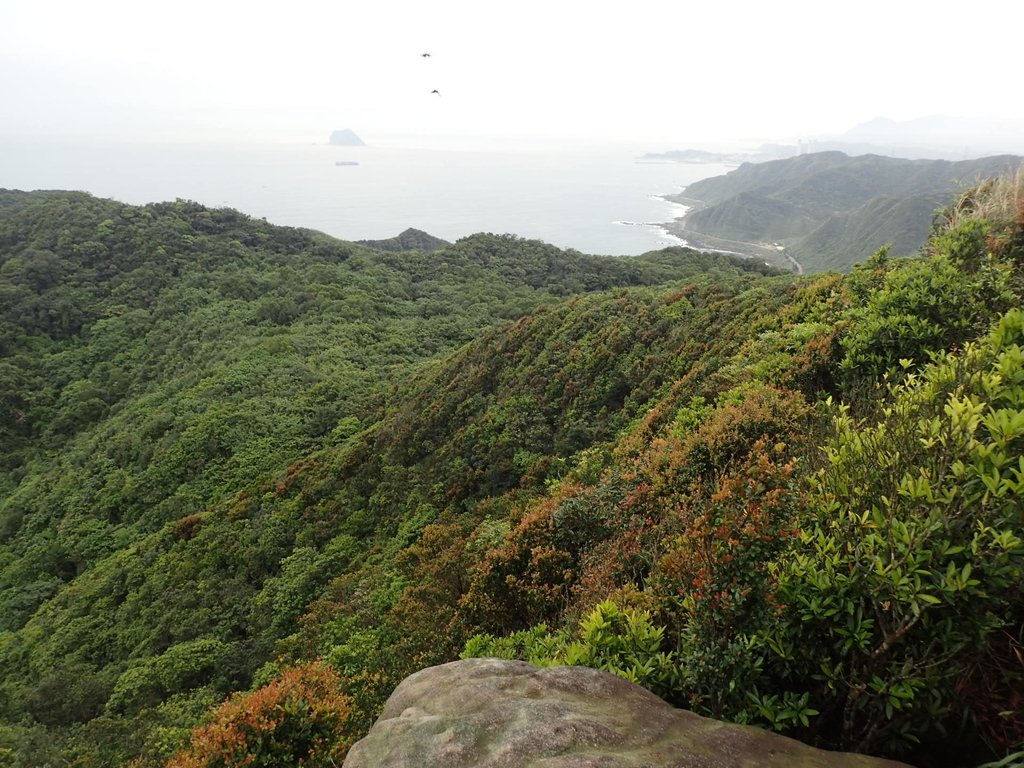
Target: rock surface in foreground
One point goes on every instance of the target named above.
(489, 713)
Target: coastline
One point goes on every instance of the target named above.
(663, 229)
(681, 210)
(670, 238)
(676, 229)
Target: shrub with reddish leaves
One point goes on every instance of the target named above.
(715, 576)
(296, 720)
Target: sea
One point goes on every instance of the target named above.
(598, 199)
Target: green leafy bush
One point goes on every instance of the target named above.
(622, 641)
(911, 558)
(910, 309)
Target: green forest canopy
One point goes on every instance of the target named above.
(231, 449)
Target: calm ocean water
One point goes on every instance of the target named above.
(597, 200)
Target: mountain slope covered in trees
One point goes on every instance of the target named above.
(829, 210)
(791, 501)
(163, 359)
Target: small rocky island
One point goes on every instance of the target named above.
(346, 137)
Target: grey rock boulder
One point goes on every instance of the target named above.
(490, 713)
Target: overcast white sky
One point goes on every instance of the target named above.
(665, 70)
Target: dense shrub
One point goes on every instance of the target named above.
(298, 719)
(714, 580)
(911, 309)
(909, 566)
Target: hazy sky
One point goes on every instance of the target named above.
(663, 71)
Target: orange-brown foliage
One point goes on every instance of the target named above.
(298, 719)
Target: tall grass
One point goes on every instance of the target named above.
(999, 201)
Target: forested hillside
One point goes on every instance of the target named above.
(244, 458)
(160, 360)
(829, 210)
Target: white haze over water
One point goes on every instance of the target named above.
(124, 98)
(662, 71)
(594, 199)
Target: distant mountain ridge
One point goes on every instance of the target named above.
(970, 137)
(827, 210)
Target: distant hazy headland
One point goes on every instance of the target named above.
(826, 210)
(931, 138)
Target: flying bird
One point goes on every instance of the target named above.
(425, 55)
(436, 91)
